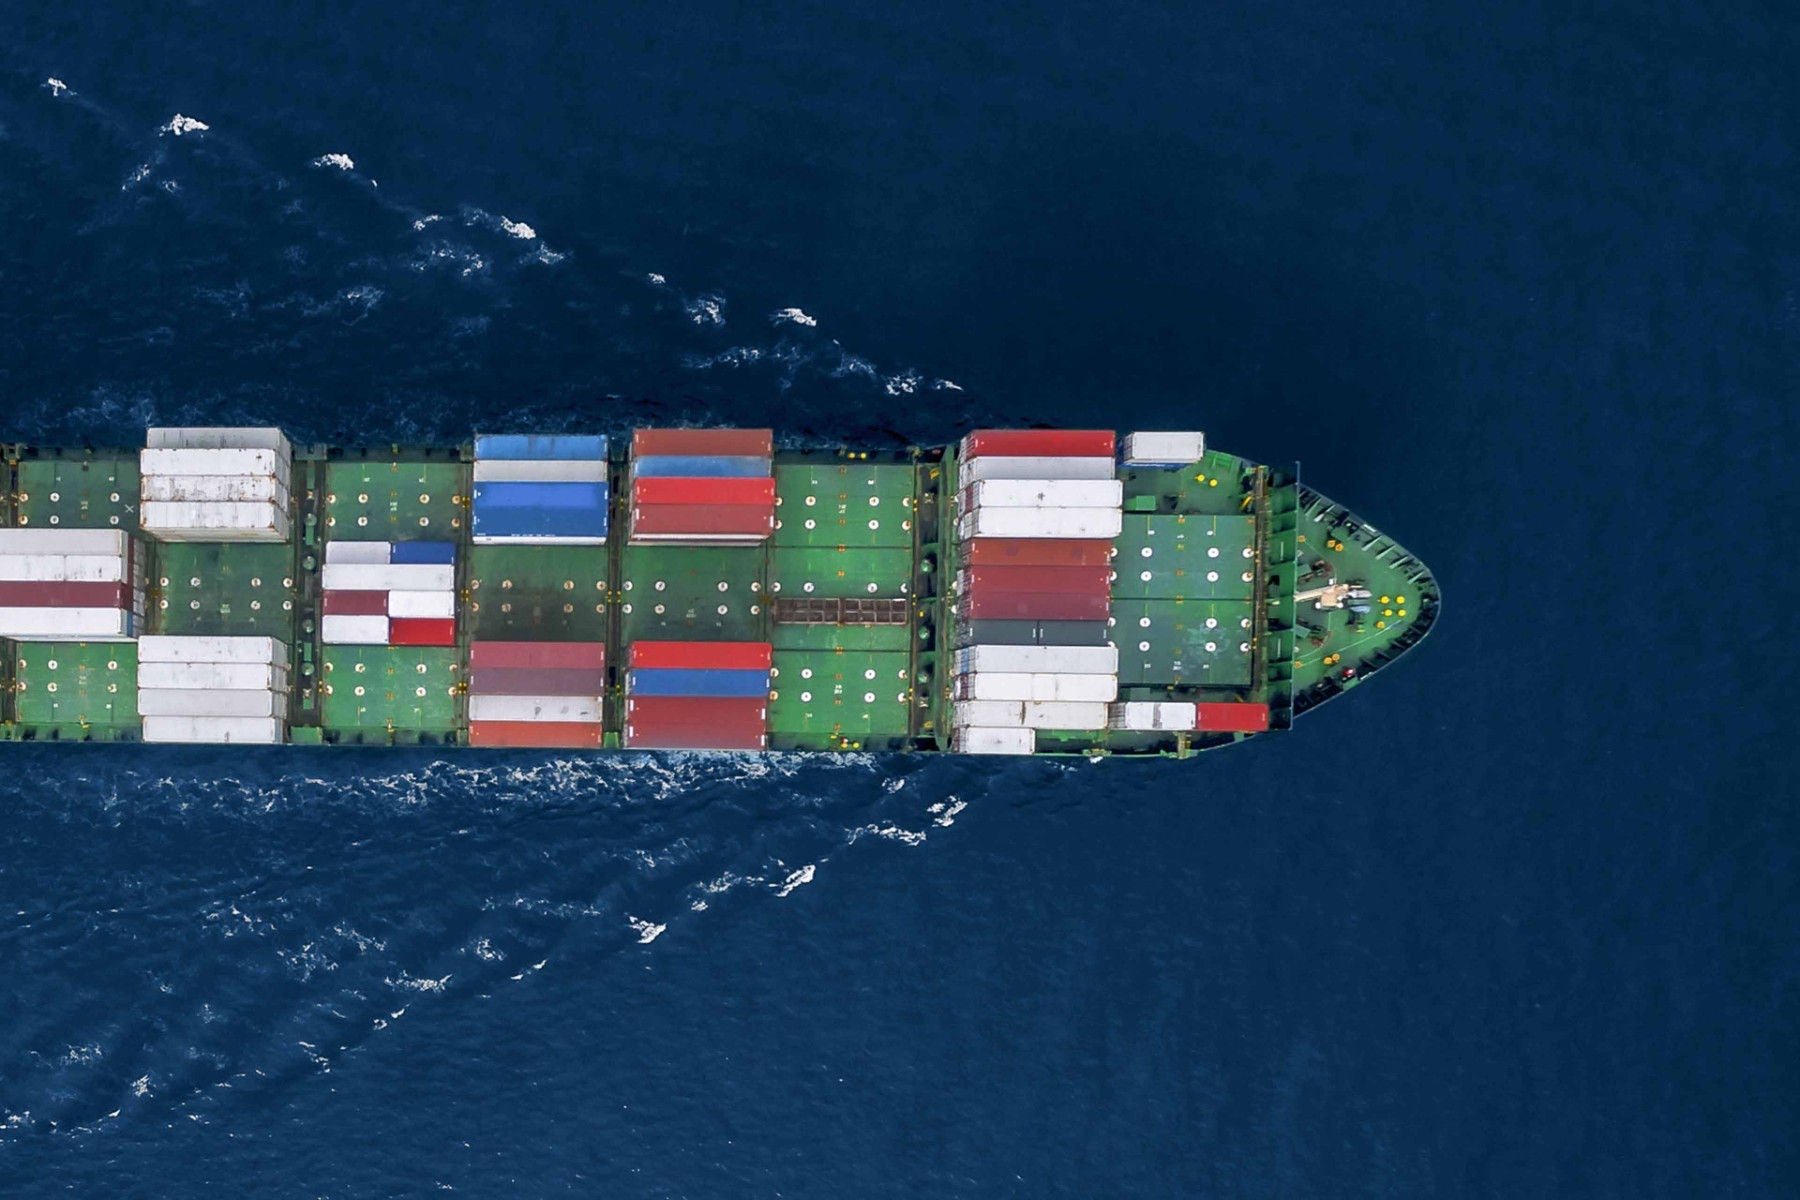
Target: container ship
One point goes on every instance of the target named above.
(1025, 591)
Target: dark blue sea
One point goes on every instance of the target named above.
(1520, 284)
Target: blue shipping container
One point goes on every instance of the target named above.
(696, 681)
(436, 553)
(525, 494)
(701, 466)
(586, 524)
(538, 446)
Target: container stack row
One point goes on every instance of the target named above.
(702, 486)
(698, 695)
(389, 594)
(536, 694)
(215, 485)
(1037, 513)
(70, 584)
(220, 690)
(540, 489)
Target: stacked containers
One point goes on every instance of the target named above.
(536, 694)
(548, 490)
(215, 485)
(213, 689)
(389, 594)
(702, 486)
(1038, 512)
(70, 585)
(698, 695)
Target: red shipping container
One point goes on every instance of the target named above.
(537, 681)
(339, 603)
(1036, 552)
(1231, 718)
(1059, 580)
(671, 723)
(63, 594)
(1039, 443)
(733, 443)
(537, 735)
(1035, 606)
(736, 656)
(757, 520)
(422, 631)
(674, 490)
(537, 654)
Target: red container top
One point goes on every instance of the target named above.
(63, 594)
(536, 735)
(1034, 606)
(341, 603)
(1079, 580)
(422, 631)
(537, 655)
(671, 490)
(729, 520)
(537, 681)
(1036, 552)
(735, 443)
(680, 723)
(736, 656)
(1231, 718)
(1039, 443)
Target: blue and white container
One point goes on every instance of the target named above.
(550, 489)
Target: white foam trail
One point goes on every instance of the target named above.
(58, 87)
(944, 385)
(647, 931)
(342, 162)
(707, 311)
(138, 176)
(518, 229)
(655, 280)
(795, 879)
(793, 316)
(179, 125)
(140, 1087)
(420, 224)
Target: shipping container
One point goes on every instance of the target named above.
(272, 463)
(696, 724)
(729, 491)
(534, 655)
(1151, 715)
(163, 648)
(390, 577)
(247, 731)
(1057, 523)
(992, 713)
(1039, 606)
(61, 541)
(695, 466)
(211, 702)
(697, 709)
(421, 631)
(531, 447)
(200, 675)
(68, 624)
(1055, 580)
(729, 443)
(1035, 660)
(695, 521)
(421, 604)
(341, 603)
(583, 497)
(1031, 633)
(1009, 686)
(534, 708)
(240, 489)
(695, 682)
(741, 656)
(1065, 714)
(222, 522)
(537, 681)
(554, 470)
(1044, 493)
(70, 568)
(1036, 552)
(17, 594)
(433, 553)
(554, 513)
(365, 630)
(1231, 718)
(535, 735)
(1164, 449)
(975, 470)
(1039, 443)
(977, 739)
(367, 554)
(218, 437)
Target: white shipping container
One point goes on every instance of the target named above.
(63, 541)
(388, 577)
(1018, 686)
(1065, 714)
(174, 649)
(340, 630)
(1039, 660)
(998, 713)
(421, 604)
(1164, 449)
(1047, 493)
(62, 568)
(365, 553)
(534, 708)
(218, 437)
(67, 624)
(223, 521)
(499, 470)
(248, 731)
(210, 702)
(204, 488)
(1151, 715)
(1079, 523)
(975, 470)
(978, 739)
(271, 463)
(197, 676)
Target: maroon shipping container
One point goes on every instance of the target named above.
(537, 681)
(1059, 580)
(755, 520)
(64, 594)
(1034, 606)
(535, 735)
(1231, 718)
(529, 655)
(734, 656)
(339, 603)
(1036, 552)
(674, 723)
(732, 443)
(1039, 443)
(669, 490)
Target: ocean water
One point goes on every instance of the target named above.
(1517, 919)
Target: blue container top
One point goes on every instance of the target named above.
(528, 494)
(530, 446)
(700, 466)
(713, 682)
(538, 522)
(436, 553)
